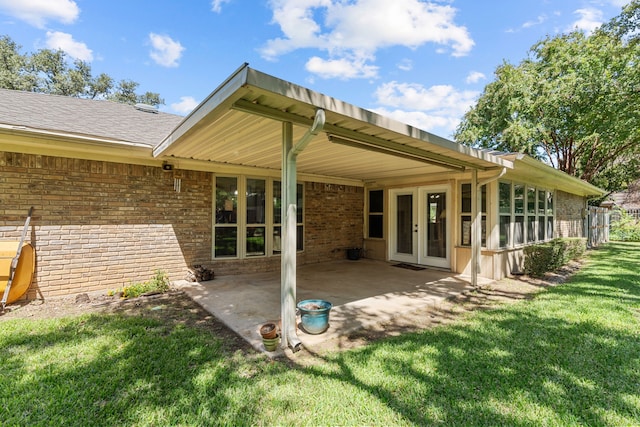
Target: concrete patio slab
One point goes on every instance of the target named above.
(363, 293)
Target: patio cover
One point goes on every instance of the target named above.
(253, 119)
(240, 123)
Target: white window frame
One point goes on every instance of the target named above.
(546, 212)
(241, 224)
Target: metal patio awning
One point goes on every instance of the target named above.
(240, 124)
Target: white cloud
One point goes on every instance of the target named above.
(439, 106)
(475, 77)
(185, 106)
(422, 120)
(589, 20)
(63, 41)
(166, 51)
(38, 12)
(354, 30)
(619, 3)
(216, 5)
(540, 20)
(406, 65)
(342, 68)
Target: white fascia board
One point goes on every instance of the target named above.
(217, 103)
(564, 181)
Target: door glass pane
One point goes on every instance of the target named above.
(255, 201)
(404, 225)
(437, 225)
(226, 200)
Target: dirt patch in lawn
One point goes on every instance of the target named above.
(173, 307)
(176, 307)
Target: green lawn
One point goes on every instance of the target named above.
(571, 356)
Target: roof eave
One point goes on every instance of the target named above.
(565, 182)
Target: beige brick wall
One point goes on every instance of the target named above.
(99, 225)
(569, 211)
(334, 220)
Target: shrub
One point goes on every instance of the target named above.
(626, 229)
(549, 256)
(158, 283)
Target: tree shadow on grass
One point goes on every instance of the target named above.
(554, 360)
(121, 370)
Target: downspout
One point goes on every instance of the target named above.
(476, 227)
(289, 232)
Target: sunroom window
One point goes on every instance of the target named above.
(465, 215)
(526, 214)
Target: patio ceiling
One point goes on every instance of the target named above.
(240, 123)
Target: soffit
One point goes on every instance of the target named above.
(241, 124)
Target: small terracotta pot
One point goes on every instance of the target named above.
(269, 330)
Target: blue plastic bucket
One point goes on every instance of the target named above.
(314, 315)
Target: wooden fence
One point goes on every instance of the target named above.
(597, 225)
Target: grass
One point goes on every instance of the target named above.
(570, 356)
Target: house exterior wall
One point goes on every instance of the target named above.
(99, 225)
(570, 214)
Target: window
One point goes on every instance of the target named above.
(376, 213)
(277, 215)
(518, 210)
(245, 225)
(256, 221)
(532, 235)
(526, 214)
(465, 215)
(226, 221)
(504, 204)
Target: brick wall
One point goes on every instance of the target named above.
(99, 225)
(569, 212)
(334, 220)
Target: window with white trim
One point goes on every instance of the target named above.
(376, 214)
(465, 214)
(245, 224)
(526, 214)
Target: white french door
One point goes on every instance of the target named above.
(421, 225)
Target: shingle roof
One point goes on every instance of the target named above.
(103, 119)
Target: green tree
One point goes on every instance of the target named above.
(52, 71)
(572, 103)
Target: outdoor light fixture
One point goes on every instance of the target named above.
(167, 167)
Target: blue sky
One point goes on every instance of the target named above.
(420, 62)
